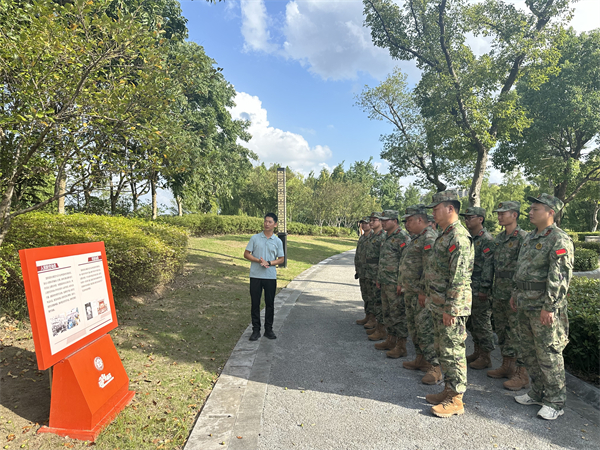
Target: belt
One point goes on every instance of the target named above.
(531, 285)
(372, 260)
(504, 273)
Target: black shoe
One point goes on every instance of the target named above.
(255, 335)
(269, 334)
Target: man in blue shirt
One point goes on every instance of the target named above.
(264, 251)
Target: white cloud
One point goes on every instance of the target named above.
(273, 145)
(255, 26)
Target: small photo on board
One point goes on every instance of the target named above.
(88, 311)
(102, 308)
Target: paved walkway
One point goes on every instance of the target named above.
(321, 385)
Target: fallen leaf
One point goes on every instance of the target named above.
(239, 437)
(10, 437)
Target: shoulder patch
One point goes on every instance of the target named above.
(427, 247)
(452, 248)
(403, 245)
(560, 252)
(486, 250)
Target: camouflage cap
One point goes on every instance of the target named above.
(389, 214)
(365, 219)
(414, 209)
(508, 206)
(444, 196)
(375, 215)
(548, 200)
(474, 211)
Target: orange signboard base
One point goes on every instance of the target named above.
(89, 388)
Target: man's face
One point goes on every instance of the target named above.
(506, 218)
(375, 223)
(269, 224)
(538, 214)
(366, 227)
(472, 222)
(441, 213)
(388, 224)
(412, 224)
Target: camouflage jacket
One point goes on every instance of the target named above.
(413, 261)
(499, 266)
(547, 259)
(372, 249)
(484, 246)
(448, 271)
(360, 255)
(389, 259)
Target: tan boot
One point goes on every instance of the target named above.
(363, 321)
(399, 350)
(451, 406)
(436, 399)
(425, 365)
(473, 356)
(413, 365)
(372, 330)
(482, 362)
(433, 375)
(380, 333)
(388, 344)
(371, 323)
(518, 381)
(506, 370)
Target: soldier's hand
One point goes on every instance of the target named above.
(449, 320)
(482, 296)
(547, 318)
(378, 285)
(398, 290)
(356, 276)
(512, 304)
(422, 299)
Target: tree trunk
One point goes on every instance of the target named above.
(595, 210)
(5, 211)
(153, 192)
(179, 201)
(62, 188)
(560, 192)
(113, 199)
(480, 166)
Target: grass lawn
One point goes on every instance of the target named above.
(173, 346)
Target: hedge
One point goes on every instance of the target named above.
(579, 236)
(589, 245)
(211, 224)
(585, 260)
(141, 254)
(583, 351)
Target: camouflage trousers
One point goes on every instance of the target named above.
(450, 348)
(394, 312)
(506, 324)
(480, 323)
(542, 347)
(366, 294)
(420, 327)
(375, 299)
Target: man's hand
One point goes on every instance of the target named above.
(482, 296)
(263, 263)
(398, 289)
(512, 304)
(449, 320)
(422, 299)
(547, 318)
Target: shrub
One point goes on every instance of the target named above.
(583, 351)
(588, 245)
(585, 260)
(141, 254)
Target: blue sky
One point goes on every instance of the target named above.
(297, 66)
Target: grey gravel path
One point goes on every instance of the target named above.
(322, 385)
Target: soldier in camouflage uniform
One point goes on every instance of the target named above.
(432, 223)
(392, 303)
(448, 288)
(542, 277)
(480, 323)
(411, 283)
(359, 267)
(373, 247)
(498, 271)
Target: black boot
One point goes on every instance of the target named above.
(255, 335)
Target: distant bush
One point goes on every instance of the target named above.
(141, 254)
(585, 260)
(588, 245)
(583, 351)
(580, 235)
(210, 224)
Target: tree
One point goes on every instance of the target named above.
(469, 98)
(565, 119)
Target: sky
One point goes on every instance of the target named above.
(297, 66)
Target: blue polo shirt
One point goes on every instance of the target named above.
(268, 249)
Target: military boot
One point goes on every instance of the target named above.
(399, 350)
(482, 362)
(473, 356)
(380, 333)
(506, 370)
(363, 321)
(452, 405)
(371, 323)
(518, 381)
(413, 365)
(433, 375)
(425, 365)
(436, 399)
(372, 330)
(388, 344)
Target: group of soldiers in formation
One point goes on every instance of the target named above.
(438, 279)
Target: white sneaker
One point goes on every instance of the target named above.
(525, 399)
(548, 413)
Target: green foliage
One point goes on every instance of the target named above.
(141, 254)
(583, 351)
(588, 245)
(585, 260)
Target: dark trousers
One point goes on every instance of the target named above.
(256, 287)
